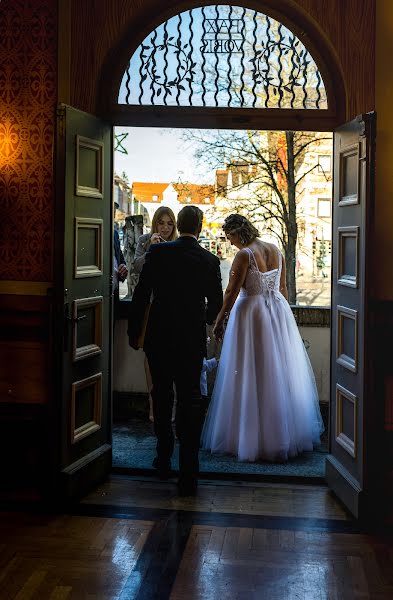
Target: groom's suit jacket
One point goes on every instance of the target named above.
(182, 276)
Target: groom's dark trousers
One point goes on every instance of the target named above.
(184, 370)
(185, 282)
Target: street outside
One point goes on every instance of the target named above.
(311, 291)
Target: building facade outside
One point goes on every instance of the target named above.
(239, 187)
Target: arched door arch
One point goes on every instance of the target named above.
(281, 41)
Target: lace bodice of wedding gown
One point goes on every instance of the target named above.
(265, 284)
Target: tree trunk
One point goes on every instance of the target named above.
(290, 251)
(290, 259)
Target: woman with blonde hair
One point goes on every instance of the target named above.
(265, 401)
(163, 229)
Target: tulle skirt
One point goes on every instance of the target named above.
(265, 401)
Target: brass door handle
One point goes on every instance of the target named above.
(66, 332)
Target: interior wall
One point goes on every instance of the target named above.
(28, 92)
(384, 159)
(348, 28)
(383, 242)
(28, 97)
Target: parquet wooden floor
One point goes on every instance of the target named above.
(67, 557)
(247, 564)
(134, 539)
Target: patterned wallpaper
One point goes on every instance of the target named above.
(28, 93)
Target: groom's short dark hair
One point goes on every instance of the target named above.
(189, 219)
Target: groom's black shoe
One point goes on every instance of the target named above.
(187, 487)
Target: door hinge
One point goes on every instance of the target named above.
(61, 121)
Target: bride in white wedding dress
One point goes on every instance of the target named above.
(265, 402)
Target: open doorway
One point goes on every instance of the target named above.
(176, 77)
(224, 171)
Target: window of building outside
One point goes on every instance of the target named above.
(324, 163)
(324, 207)
(155, 198)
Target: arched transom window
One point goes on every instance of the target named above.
(223, 56)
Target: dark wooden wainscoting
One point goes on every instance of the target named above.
(25, 390)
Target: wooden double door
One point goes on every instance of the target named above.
(84, 308)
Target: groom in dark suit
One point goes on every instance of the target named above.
(182, 276)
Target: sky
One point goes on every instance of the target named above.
(159, 155)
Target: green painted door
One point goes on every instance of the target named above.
(351, 468)
(83, 272)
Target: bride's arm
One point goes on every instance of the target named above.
(236, 279)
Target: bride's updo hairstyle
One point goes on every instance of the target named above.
(242, 226)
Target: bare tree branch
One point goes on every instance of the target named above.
(268, 167)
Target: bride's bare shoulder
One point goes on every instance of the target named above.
(241, 256)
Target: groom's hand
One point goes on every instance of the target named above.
(123, 272)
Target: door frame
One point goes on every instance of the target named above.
(225, 117)
(231, 118)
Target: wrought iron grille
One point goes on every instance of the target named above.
(223, 56)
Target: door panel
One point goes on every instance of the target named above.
(83, 340)
(352, 419)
